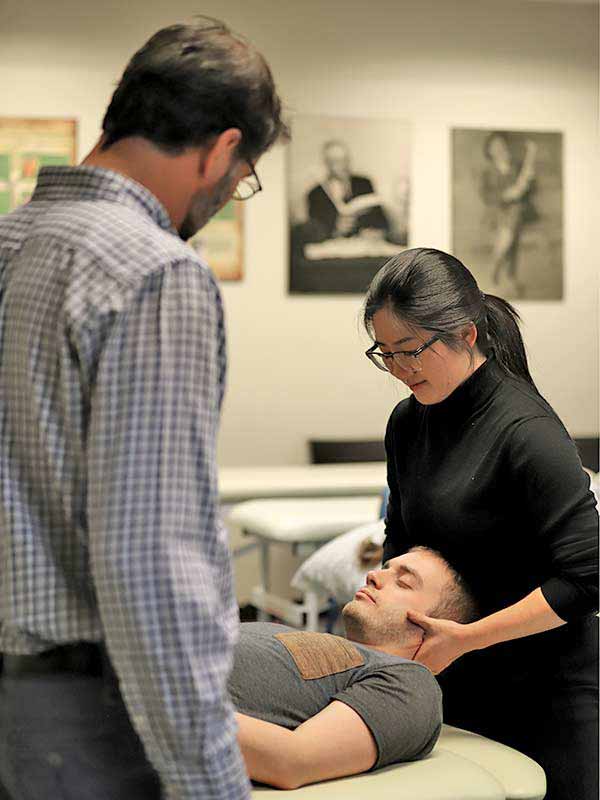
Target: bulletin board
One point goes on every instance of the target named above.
(26, 145)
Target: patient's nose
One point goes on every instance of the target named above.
(374, 578)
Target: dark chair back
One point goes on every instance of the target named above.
(345, 451)
(588, 452)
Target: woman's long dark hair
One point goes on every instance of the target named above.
(431, 289)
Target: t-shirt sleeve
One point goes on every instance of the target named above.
(402, 707)
(562, 512)
(395, 532)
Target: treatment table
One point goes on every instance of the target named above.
(462, 766)
(305, 480)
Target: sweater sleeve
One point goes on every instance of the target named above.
(553, 489)
(395, 532)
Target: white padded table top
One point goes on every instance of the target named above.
(463, 766)
(522, 777)
(308, 480)
(303, 519)
(441, 776)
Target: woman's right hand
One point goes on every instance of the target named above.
(443, 642)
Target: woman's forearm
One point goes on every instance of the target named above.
(530, 615)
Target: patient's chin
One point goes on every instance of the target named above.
(355, 609)
(380, 626)
(355, 621)
(350, 611)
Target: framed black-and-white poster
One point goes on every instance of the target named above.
(507, 211)
(349, 200)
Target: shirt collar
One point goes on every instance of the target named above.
(98, 183)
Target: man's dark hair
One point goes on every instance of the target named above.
(457, 602)
(189, 83)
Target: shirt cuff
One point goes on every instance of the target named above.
(568, 600)
(224, 777)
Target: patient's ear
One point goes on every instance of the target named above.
(369, 554)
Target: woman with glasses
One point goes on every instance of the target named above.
(481, 469)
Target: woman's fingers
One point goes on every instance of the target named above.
(421, 620)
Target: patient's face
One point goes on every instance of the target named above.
(415, 580)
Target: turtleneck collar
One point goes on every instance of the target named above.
(472, 394)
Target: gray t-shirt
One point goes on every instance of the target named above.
(286, 676)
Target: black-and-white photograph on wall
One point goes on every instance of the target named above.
(507, 211)
(349, 200)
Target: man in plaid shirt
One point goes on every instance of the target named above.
(117, 612)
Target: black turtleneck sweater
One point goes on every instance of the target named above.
(490, 478)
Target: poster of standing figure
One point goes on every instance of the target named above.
(349, 191)
(507, 210)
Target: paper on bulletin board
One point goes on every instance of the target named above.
(26, 145)
(220, 243)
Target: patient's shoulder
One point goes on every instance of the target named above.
(402, 669)
(401, 703)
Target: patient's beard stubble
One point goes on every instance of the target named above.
(381, 628)
(355, 623)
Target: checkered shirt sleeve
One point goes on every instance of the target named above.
(158, 554)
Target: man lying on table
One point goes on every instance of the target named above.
(314, 706)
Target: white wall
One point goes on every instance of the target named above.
(297, 369)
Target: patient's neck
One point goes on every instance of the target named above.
(405, 645)
(403, 650)
(387, 629)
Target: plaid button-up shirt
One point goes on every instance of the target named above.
(112, 367)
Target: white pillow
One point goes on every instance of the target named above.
(334, 570)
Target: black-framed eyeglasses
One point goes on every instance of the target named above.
(407, 360)
(248, 186)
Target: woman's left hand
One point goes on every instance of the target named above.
(443, 642)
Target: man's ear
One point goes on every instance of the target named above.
(216, 158)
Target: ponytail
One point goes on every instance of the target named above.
(504, 337)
